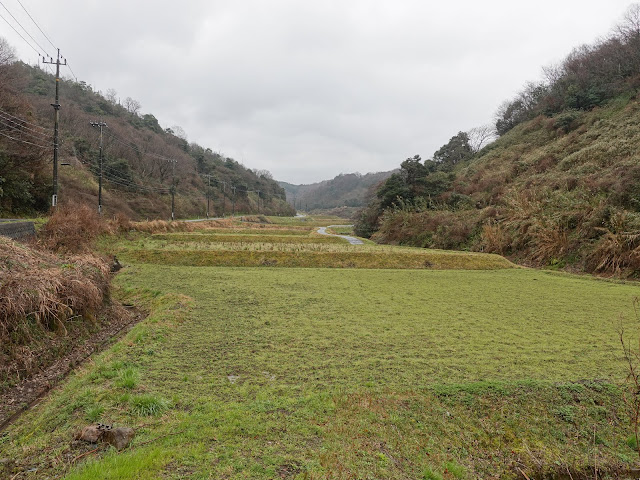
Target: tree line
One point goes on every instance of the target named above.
(136, 149)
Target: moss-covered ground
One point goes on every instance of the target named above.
(347, 373)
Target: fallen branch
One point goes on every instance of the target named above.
(523, 474)
(85, 454)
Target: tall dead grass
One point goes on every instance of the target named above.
(73, 228)
(161, 226)
(618, 249)
(40, 293)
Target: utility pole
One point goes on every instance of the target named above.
(233, 209)
(224, 196)
(208, 195)
(56, 108)
(100, 125)
(173, 188)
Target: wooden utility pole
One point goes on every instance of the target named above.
(56, 108)
(100, 125)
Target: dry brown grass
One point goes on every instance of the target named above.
(161, 226)
(494, 238)
(618, 250)
(550, 240)
(73, 228)
(41, 293)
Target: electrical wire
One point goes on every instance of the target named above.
(23, 120)
(23, 141)
(135, 147)
(69, 67)
(20, 35)
(124, 181)
(36, 24)
(13, 130)
(25, 30)
(28, 131)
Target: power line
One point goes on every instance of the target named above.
(113, 178)
(22, 120)
(136, 148)
(13, 128)
(18, 125)
(19, 128)
(36, 24)
(25, 30)
(126, 181)
(69, 67)
(24, 141)
(94, 170)
(20, 35)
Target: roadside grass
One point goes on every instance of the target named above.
(341, 230)
(321, 373)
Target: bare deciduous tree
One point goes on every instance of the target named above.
(481, 136)
(179, 132)
(7, 52)
(111, 96)
(629, 28)
(132, 106)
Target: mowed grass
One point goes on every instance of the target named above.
(309, 251)
(256, 229)
(316, 220)
(355, 373)
(245, 237)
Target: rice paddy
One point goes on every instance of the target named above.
(473, 371)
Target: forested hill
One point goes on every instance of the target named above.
(345, 190)
(559, 187)
(143, 161)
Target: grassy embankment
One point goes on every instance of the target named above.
(345, 373)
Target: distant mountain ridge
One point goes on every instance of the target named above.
(344, 190)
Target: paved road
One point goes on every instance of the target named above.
(351, 240)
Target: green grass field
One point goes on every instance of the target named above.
(346, 373)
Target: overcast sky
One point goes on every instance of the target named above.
(310, 89)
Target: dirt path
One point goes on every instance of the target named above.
(351, 240)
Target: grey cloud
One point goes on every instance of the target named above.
(312, 89)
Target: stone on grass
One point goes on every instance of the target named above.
(119, 437)
(90, 434)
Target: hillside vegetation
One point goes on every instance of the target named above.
(345, 190)
(560, 186)
(142, 163)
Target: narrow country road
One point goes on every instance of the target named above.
(351, 240)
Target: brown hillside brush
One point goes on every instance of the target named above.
(550, 240)
(618, 249)
(41, 293)
(494, 238)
